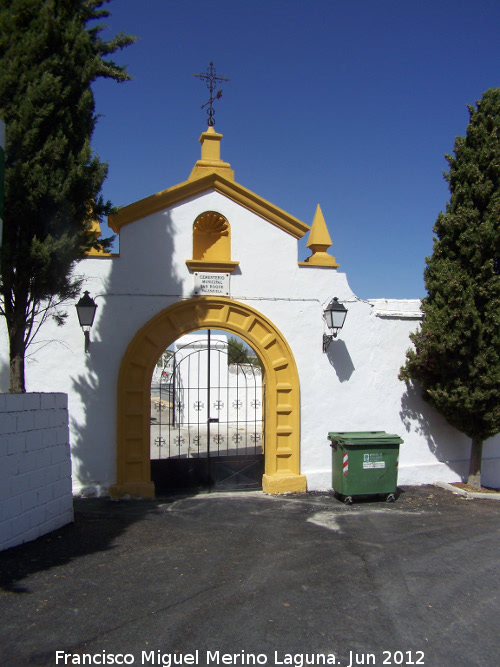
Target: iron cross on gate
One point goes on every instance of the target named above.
(210, 77)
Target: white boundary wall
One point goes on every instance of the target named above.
(35, 466)
(353, 387)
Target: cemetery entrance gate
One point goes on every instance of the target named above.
(207, 416)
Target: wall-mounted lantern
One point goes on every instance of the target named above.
(334, 316)
(86, 308)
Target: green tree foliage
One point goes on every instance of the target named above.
(456, 359)
(49, 58)
(237, 352)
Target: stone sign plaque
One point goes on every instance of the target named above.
(211, 283)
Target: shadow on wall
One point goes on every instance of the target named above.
(4, 373)
(144, 279)
(446, 443)
(339, 357)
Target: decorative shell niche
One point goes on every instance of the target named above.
(211, 244)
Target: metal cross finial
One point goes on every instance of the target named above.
(210, 77)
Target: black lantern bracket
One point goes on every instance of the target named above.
(334, 316)
(85, 309)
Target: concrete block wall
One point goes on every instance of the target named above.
(35, 466)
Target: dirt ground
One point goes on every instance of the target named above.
(467, 487)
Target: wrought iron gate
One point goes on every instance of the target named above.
(206, 419)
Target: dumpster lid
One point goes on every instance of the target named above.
(365, 438)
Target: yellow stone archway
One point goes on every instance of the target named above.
(282, 410)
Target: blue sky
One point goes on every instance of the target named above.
(351, 104)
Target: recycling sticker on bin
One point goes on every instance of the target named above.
(373, 461)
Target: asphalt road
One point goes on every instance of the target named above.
(254, 579)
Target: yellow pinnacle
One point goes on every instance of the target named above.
(319, 242)
(93, 252)
(319, 235)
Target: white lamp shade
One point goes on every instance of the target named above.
(335, 314)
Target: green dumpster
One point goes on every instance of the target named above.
(365, 463)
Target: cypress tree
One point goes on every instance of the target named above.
(456, 359)
(49, 58)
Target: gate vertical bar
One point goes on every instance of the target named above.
(228, 407)
(199, 402)
(173, 392)
(208, 411)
